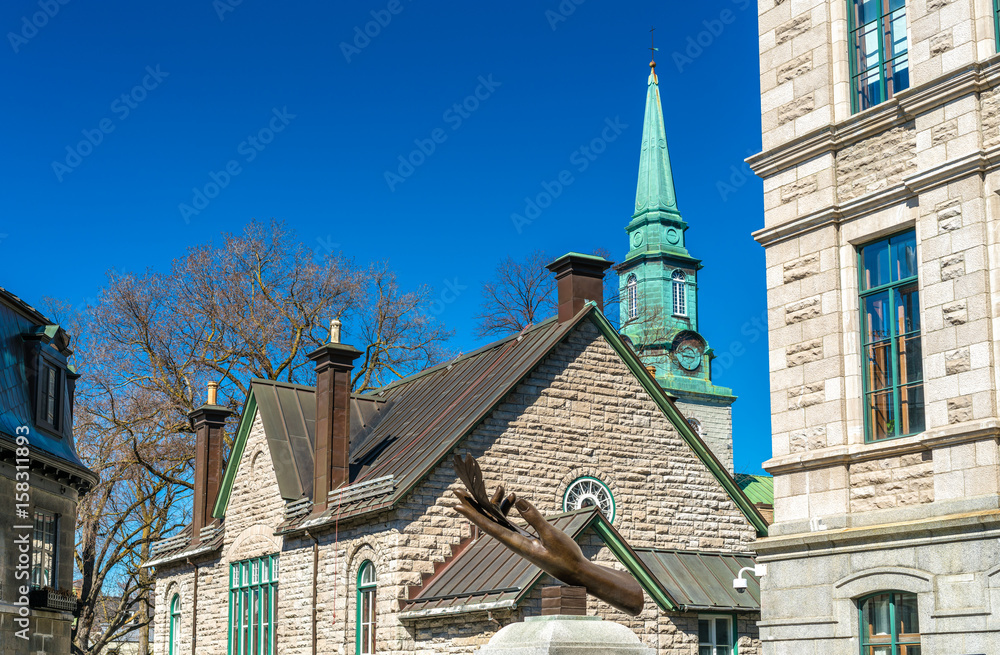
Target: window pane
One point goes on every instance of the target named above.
(907, 309)
(877, 325)
(899, 73)
(877, 614)
(868, 11)
(908, 352)
(722, 632)
(911, 408)
(875, 265)
(909, 650)
(906, 613)
(705, 633)
(877, 371)
(704, 650)
(722, 650)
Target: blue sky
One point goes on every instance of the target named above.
(118, 113)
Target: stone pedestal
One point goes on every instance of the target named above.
(565, 635)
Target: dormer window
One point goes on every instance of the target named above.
(50, 385)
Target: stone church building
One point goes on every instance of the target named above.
(881, 168)
(331, 529)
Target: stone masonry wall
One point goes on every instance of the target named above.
(716, 427)
(580, 413)
(876, 163)
(892, 482)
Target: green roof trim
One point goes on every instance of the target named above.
(677, 419)
(631, 561)
(758, 488)
(246, 422)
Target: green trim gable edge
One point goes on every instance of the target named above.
(676, 418)
(622, 552)
(246, 422)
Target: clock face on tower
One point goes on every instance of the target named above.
(689, 353)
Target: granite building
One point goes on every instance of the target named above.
(881, 167)
(331, 527)
(41, 481)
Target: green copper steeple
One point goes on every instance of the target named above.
(659, 277)
(655, 190)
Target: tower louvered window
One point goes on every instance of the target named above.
(632, 291)
(680, 293)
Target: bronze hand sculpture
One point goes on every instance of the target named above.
(553, 551)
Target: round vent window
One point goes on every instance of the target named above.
(589, 492)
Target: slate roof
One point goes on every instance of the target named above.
(697, 580)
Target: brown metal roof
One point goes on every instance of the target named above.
(487, 575)
(423, 417)
(697, 580)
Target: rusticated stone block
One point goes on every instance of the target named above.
(959, 409)
(805, 352)
(955, 313)
(945, 131)
(806, 395)
(876, 163)
(957, 361)
(797, 189)
(802, 310)
(791, 29)
(941, 43)
(949, 215)
(952, 266)
(796, 67)
(796, 108)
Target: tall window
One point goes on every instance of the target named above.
(889, 624)
(632, 291)
(890, 324)
(49, 396)
(175, 625)
(253, 592)
(880, 64)
(680, 293)
(996, 22)
(715, 635)
(366, 608)
(43, 550)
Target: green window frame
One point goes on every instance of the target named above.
(253, 603)
(891, 354)
(367, 617)
(175, 625)
(717, 634)
(996, 22)
(889, 623)
(879, 53)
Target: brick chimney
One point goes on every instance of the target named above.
(209, 422)
(334, 363)
(579, 279)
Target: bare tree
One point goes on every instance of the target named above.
(252, 306)
(523, 292)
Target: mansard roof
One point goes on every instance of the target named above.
(400, 432)
(53, 456)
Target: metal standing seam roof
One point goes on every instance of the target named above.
(698, 580)
(427, 414)
(758, 488)
(487, 575)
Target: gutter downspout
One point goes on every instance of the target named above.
(194, 609)
(315, 582)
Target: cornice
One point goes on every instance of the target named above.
(895, 112)
(978, 162)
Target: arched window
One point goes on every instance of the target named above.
(889, 624)
(366, 608)
(589, 492)
(680, 293)
(632, 293)
(175, 625)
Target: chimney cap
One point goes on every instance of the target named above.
(575, 262)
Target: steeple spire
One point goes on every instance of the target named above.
(655, 190)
